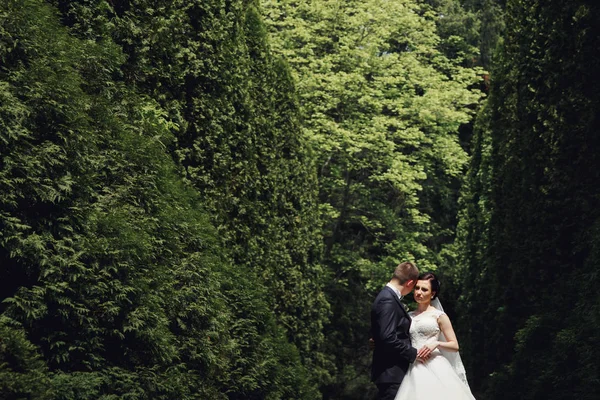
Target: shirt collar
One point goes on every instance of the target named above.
(395, 290)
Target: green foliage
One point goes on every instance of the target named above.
(483, 25)
(382, 105)
(531, 215)
(457, 27)
(113, 268)
(209, 65)
(186, 215)
(23, 374)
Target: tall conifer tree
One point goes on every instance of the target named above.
(532, 217)
(117, 285)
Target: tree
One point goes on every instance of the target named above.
(532, 214)
(117, 285)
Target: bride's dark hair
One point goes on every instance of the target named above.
(435, 283)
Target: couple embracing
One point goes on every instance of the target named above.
(415, 353)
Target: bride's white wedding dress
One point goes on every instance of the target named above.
(435, 378)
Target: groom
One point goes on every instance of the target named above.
(389, 329)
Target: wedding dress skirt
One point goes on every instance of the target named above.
(436, 378)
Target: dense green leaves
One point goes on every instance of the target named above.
(531, 216)
(23, 373)
(382, 117)
(113, 267)
(197, 204)
(382, 104)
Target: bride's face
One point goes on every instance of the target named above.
(423, 292)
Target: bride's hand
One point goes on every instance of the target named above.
(423, 359)
(425, 351)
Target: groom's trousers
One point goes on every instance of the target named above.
(387, 391)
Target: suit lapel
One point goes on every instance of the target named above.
(399, 302)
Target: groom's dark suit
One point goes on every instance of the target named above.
(393, 351)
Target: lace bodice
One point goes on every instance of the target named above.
(424, 327)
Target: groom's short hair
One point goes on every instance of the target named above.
(406, 271)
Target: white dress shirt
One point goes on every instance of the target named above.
(395, 290)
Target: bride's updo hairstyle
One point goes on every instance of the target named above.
(435, 283)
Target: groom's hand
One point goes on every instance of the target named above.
(425, 352)
(371, 344)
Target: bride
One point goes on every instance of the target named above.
(442, 376)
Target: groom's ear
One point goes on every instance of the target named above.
(411, 283)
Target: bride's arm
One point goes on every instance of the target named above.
(451, 343)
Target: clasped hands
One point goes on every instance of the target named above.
(423, 354)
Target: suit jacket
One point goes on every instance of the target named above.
(389, 329)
